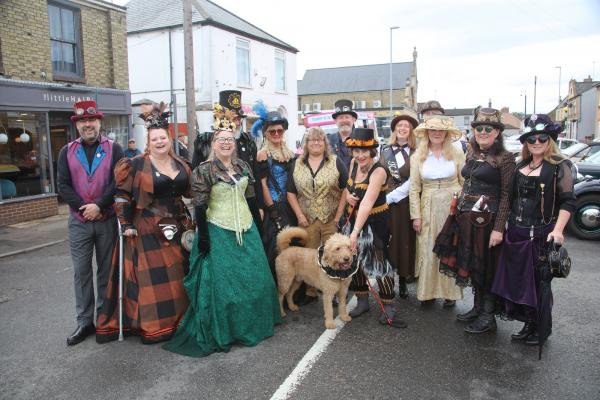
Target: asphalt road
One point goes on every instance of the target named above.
(432, 359)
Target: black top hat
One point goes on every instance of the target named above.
(432, 105)
(232, 100)
(343, 107)
(362, 138)
(274, 118)
(488, 116)
(540, 123)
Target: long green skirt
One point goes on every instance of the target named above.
(233, 298)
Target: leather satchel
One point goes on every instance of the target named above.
(479, 219)
(559, 260)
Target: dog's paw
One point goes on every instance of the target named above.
(293, 307)
(330, 325)
(283, 314)
(346, 318)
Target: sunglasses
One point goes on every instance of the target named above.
(223, 140)
(535, 128)
(487, 129)
(275, 131)
(542, 137)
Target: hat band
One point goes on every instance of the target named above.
(360, 143)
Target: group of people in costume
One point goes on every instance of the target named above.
(417, 207)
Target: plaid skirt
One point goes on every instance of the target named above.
(154, 299)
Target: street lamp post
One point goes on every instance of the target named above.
(391, 85)
(559, 73)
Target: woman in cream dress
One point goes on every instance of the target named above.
(434, 178)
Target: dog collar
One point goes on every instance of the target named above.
(336, 273)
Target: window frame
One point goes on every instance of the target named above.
(280, 55)
(79, 75)
(239, 40)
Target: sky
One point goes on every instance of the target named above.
(469, 51)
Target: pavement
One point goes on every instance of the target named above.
(432, 359)
(36, 234)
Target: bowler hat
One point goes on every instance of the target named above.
(362, 138)
(343, 106)
(232, 100)
(540, 123)
(274, 118)
(405, 114)
(488, 116)
(86, 110)
(432, 105)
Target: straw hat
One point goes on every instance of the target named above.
(440, 123)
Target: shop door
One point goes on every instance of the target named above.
(61, 133)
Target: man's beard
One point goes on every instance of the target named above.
(345, 129)
(91, 138)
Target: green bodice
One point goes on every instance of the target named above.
(227, 207)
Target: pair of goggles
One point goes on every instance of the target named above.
(542, 138)
(89, 110)
(535, 128)
(487, 129)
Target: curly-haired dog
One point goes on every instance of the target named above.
(329, 269)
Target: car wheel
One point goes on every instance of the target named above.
(585, 221)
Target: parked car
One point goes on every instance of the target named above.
(513, 145)
(565, 143)
(585, 221)
(590, 166)
(587, 151)
(576, 148)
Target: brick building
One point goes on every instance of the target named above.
(368, 86)
(52, 54)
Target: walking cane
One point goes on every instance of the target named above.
(120, 281)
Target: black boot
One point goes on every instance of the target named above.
(533, 339)
(474, 312)
(362, 306)
(402, 289)
(485, 322)
(390, 313)
(528, 329)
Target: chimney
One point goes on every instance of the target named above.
(588, 79)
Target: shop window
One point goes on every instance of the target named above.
(243, 62)
(116, 127)
(24, 161)
(65, 41)
(279, 71)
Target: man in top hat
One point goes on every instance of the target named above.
(344, 118)
(245, 145)
(86, 183)
(432, 107)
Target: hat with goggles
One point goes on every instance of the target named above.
(86, 110)
(487, 116)
(540, 124)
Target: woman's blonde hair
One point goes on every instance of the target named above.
(282, 153)
(315, 133)
(552, 153)
(412, 140)
(147, 148)
(211, 155)
(423, 148)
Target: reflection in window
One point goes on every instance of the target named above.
(279, 71)
(243, 62)
(23, 155)
(64, 40)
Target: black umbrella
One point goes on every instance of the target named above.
(545, 301)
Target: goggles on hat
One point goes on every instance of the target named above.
(542, 137)
(89, 110)
(488, 129)
(536, 128)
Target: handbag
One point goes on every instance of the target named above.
(479, 219)
(187, 237)
(559, 260)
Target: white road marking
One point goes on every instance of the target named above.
(310, 358)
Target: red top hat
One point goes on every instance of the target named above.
(86, 109)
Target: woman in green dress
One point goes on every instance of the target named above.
(233, 298)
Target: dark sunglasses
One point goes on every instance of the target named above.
(488, 129)
(542, 137)
(275, 131)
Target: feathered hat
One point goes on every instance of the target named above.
(266, 118)
(223, 119)
(157, 118)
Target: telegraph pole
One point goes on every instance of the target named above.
(190, 92)
(534, 92)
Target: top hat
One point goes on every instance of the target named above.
(488, 116)
(232, 100)
(343, 107)
(86, 109)
(362, 138)
(438, 123)
(405, 114)
(540, 123)
(432, 105)
(274, 118)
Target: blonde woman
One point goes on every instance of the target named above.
(541, 201)
(314, 191)
(395, 156)
(434, 178)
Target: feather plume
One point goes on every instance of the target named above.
(261, 110)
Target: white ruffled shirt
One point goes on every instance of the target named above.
(437, 168)
(401, 192)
